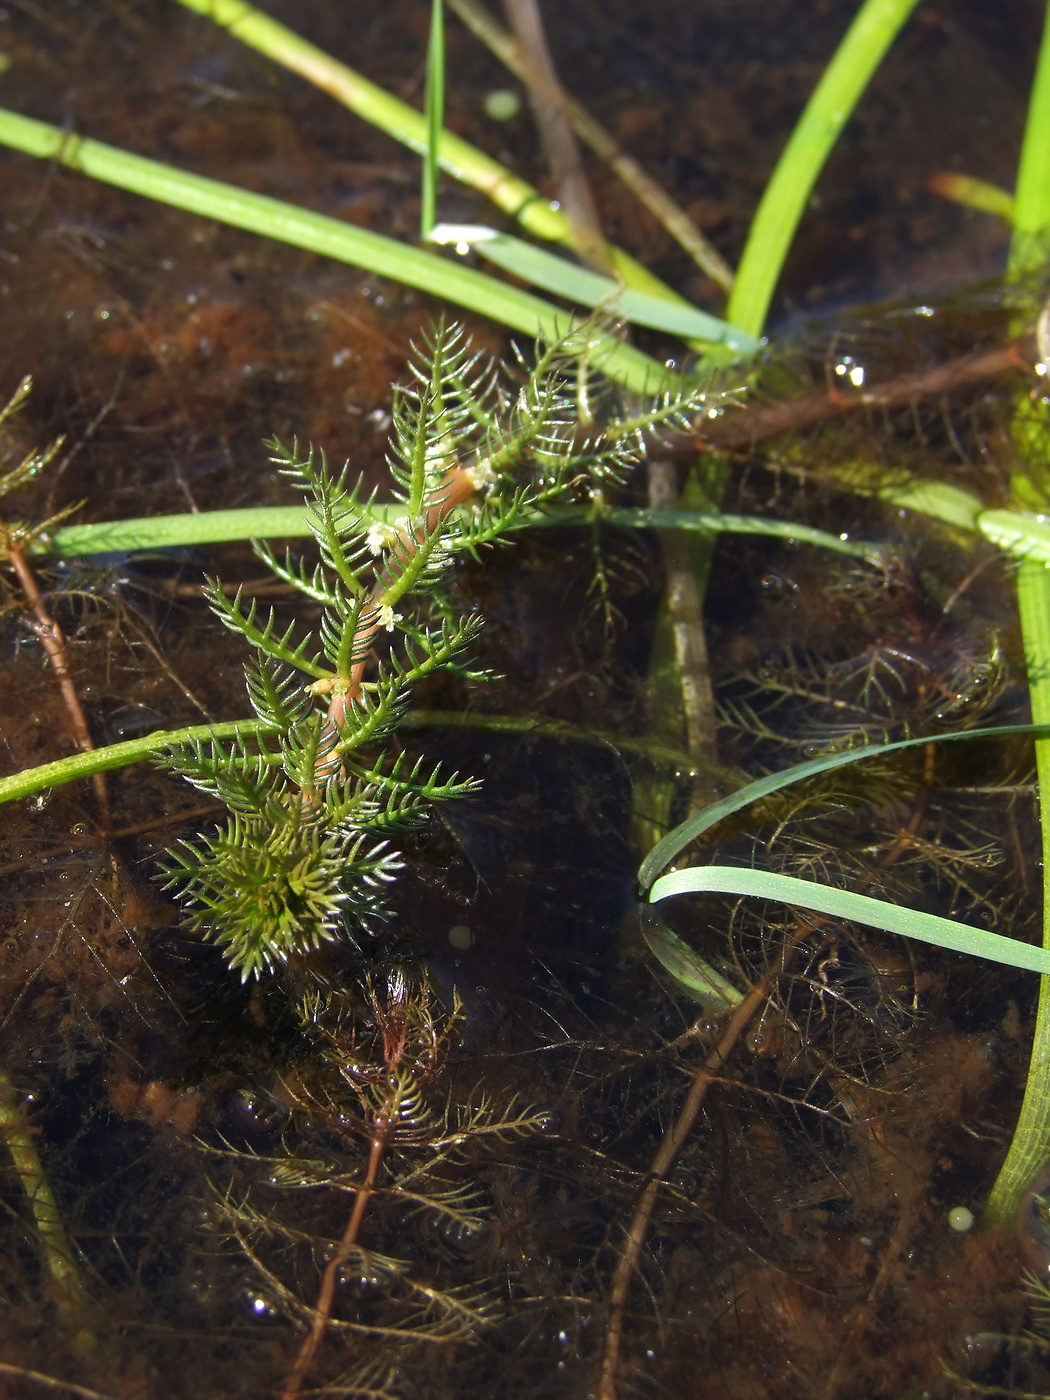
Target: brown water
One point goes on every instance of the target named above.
(801, 1248)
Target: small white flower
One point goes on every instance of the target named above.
(380, 537)
(387, 617)
(481, 475)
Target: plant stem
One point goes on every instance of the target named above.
(290, 522)
(785, 198)
(82, 765)
(1028, 247)
(1030, 1146)
(457, 157)
(52, 639)
(381, 109)
(56, 1251)
(556, 134)
(656, 199)
(435, 116)
(386, 257)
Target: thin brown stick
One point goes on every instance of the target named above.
(559, 143)
(674, 1140)
(53, 640)
(383, 1131)
(82, 1392)
(749, 426)
(707, 1074)
(601, 141)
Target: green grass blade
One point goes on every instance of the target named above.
(972, 193)
(860, 908)
(675, 842)
(847, 75)
(104, 760)
(290, 522)
(702, 981)
(1028, 247)
(718, 522)
(566, 279)
(434, 105)
(381, 109)
(414, 267)
(1019, 532)
(1030, 1145)
(176, 531)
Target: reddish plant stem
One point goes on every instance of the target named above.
(382, 1132)
(53, 641)
(750, 426)
(456, 488)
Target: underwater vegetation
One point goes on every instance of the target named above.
(459, 948)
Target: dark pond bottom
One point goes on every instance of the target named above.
(203, 1139)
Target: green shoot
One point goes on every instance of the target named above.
(414, 267)
(557, 275)
(291, 522)
(1031, 1141)
(869, 37)
(314, 801)
(861, 908)
(434, 104)
(842, 904)
(972, 193)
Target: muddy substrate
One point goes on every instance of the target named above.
(184, 1120)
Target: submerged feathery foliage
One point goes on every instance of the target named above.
(304, 856)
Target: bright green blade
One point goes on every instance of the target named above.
(665, 851)
(554, 274)
(414, 267)
(861, 908)
(434, 106)
(104, 760)
(290, 522)
(842, 83)
(1022, 534)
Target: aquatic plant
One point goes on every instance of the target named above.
(291, 772)
(304, 856)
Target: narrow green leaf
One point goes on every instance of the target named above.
(861, 908)
(291, 522)
(1019, 532)
(664, 852)
(386, 257)
(876, 25)
(434, 107)
(972, 193)
(104, 760)
(706, 985)
(566, 279)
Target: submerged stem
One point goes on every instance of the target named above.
(1030, 1146)
(55, 1248)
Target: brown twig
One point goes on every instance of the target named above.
(53, 640)
(382, 1132)
(747, 427)
(601, 141)
(559, 144)
(707, 1074)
